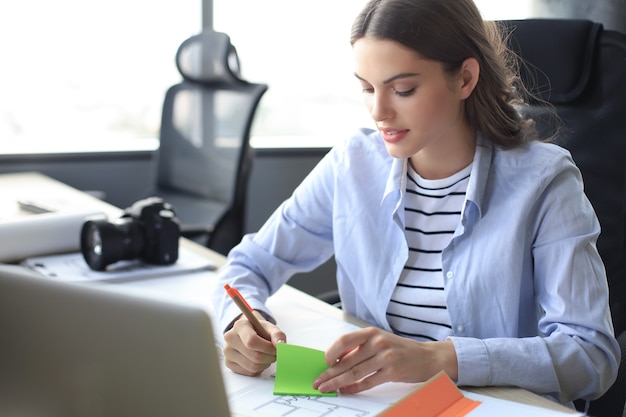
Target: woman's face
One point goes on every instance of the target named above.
(415, 105)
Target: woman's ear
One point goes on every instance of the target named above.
(470, 71)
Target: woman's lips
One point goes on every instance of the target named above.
(393, 135)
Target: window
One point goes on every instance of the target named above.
(302, 50)
(82, 74)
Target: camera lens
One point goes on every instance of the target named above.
(103, 243)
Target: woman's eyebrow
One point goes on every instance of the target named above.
(395, 77)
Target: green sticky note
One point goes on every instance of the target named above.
(296, 369)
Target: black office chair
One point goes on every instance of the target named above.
(580, 69)
(204, 156)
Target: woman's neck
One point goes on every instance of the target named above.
(444, 160)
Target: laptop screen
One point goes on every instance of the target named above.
(71, 349)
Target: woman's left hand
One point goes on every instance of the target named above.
(368, 357)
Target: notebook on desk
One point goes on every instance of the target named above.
(69, 349)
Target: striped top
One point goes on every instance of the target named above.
(432, 210)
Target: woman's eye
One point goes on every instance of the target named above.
(404, 93)
(368, 90)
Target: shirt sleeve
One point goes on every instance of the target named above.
(575, 354)
(296, 238)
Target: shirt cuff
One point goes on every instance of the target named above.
(473, 361)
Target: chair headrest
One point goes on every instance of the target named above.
(558, 55)
(208, 58)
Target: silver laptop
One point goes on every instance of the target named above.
(75, 350)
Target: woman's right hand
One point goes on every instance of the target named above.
(246, 352)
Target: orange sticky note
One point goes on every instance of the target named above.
(438, 397)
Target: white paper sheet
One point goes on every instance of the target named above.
(72, 267)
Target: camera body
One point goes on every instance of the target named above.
(148, 230)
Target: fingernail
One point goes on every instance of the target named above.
(323, 388)
(317, 382)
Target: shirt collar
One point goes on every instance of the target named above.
(479, 174)
(396, 181)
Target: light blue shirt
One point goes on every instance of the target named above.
(525, 287)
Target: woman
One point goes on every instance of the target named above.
(466, 243)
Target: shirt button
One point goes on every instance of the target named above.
(460, 329)
(449, 274)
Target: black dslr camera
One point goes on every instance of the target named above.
(148, 230)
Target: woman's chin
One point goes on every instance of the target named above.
(396, 151)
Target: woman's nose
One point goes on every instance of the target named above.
(379, 108)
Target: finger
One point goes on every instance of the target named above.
(246, 362)
(345, 344)
(249, 339)
(257, 350)
(349, 360)
(248, 369)
(348, 374)
(364, 384)
(277, 335)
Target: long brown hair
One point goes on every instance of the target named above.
(450, 31)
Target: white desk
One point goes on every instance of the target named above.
(195, 288)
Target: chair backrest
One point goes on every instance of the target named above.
(581, 69)
(205, 128)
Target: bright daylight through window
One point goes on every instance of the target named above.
(81, 76)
